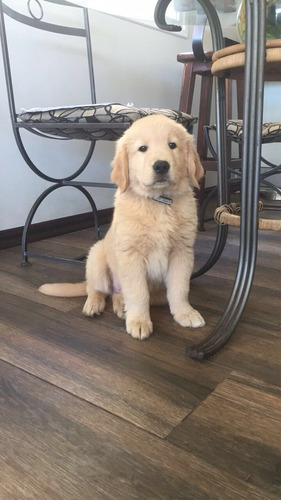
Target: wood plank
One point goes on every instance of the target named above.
(267, 268)
(211, 293)
(23, 281)
(238, 429)
(56, 446)
(96, 360)
(255, 352)
(115, 418)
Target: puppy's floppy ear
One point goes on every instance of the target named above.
(194, 167)
(120, 163)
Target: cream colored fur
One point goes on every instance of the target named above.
(148, 251)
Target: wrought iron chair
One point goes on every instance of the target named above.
(92, 122)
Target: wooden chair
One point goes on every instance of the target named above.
(198, 64)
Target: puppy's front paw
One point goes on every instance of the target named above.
(189, 317)
(139, 329)
(94, 304)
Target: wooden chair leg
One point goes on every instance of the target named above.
(240, 97)
(187, 88)
(228, 98)
(204, 114)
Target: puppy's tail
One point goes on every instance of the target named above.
(64, 289)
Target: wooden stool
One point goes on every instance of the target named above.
(193, 68)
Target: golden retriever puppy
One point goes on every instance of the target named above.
(147, 254)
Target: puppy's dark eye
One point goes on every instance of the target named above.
(172, 145)
(143, 149)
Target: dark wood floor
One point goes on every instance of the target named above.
(89, 413)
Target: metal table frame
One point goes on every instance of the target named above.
(251, 161)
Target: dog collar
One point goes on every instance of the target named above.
(163, 199)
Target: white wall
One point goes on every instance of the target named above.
(133, 64)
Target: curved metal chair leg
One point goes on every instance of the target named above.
(93, 207)
(223, 191)
(212, 194)
(272, 186)
(253, 107)
(33, 210)
(216, 253)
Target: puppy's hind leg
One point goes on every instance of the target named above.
(98, 281)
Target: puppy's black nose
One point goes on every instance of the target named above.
(161, 167)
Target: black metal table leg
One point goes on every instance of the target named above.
(253, 108)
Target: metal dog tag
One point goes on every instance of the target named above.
(164, 199)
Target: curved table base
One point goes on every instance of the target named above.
(251, 159)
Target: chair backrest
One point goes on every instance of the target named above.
(36, 20)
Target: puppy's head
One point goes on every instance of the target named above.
(156, 154)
